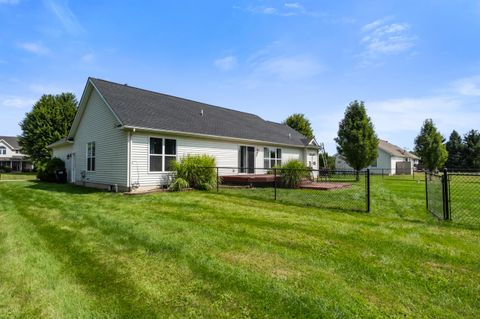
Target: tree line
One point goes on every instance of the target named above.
(357, 142)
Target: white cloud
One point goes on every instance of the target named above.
(293, 5)
(382, 38)
(287, 10)
(64, 14)
(34, 47)
(289, 67)
(9, 1)
(467, 86)
(226, 63)
(16, 102)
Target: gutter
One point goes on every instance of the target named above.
(216, 137)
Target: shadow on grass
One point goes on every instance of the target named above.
(63, 188)
(116, 292)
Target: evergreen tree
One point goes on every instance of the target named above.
(429, 146)
(357, 141)
(471, 149)
(48, 121)
(455, 151)
(300, 124)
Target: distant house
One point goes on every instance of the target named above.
(11, 157)
(392, 160)
(128, 137)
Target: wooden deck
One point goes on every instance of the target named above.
(267, 180)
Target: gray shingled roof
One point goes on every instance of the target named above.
(141, 108)
(395, 150)
(11, 140)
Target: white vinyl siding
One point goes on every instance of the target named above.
(225, 153)
(99, 124)
(8, 151)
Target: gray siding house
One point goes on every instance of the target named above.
(392, 159)
(126, 136)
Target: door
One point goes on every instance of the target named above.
(246, 159)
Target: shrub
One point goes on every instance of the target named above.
(178, 185)
(198, 171)
(292, 173)
(5, 169)
(47, 172)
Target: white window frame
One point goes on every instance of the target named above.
(94, 157)
(269, 158)
(3, 150)
(163, 155)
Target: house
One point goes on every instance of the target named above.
(127, 137)
(391, 160)
(11, 157)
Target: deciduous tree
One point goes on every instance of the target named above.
(357, 141)
(300, 124)
(48, 121)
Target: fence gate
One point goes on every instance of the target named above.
(437, 189)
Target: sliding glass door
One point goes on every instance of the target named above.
(246, 159)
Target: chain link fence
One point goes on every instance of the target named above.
(454, 196)
(435, 194)
(465, 197)
(398, 175)
(333, 189)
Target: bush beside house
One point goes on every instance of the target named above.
(198, 171)
(53, 171)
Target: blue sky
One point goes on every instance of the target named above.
(408, 60)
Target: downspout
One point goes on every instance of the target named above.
(129, 162)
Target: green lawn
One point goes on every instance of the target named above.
(68, 251)
(17, 176)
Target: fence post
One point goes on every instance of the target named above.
(368, 190)
(446, 206)
(275, 183)
(426, 188)
(217, 179)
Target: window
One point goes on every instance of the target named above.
(3, 150)
(163, 152)
(91, 157)
(375, 163)
(272, 157)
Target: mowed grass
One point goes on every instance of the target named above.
(17, 176)
(68, 251)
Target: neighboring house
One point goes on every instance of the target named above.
(128, 137)
(391, 160)
(11, 155)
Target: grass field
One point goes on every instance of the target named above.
(67, 251)
(17, 176)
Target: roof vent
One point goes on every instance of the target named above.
(201, 112)
(126, 84)
(289, 135)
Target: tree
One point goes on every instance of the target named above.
(300, 124)
(455, 150)
(429, 146)
(357, 141)
(471, 149)
(48, 121)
